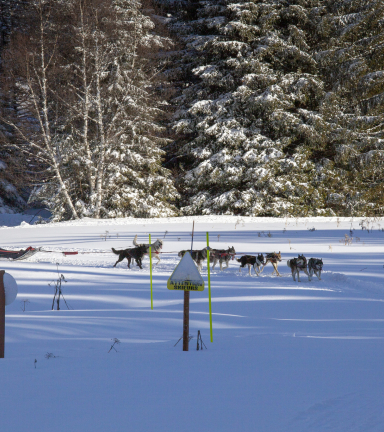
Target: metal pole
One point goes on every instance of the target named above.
(150, 268)
(209, 289)
(2, 314)
(186, 321)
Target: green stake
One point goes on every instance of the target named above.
(150, 268)
(209, 289)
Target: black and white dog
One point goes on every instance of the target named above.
(315, 265)
(199, 256)
(222, 255)
(251, 261)
(297, 265)
(155, 248)
(136, 253)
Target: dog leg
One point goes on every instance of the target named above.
(274, 269)
(249, 269)
(275, 266)
(118, 261)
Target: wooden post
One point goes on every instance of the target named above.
(2, 314)
(186, 307)
(186, 321)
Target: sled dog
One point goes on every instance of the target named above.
(274, 259)
(251, 261)
(315, 265)
(136, 253)
(155, 248)
(199, 256)
(297, 265)
(222, 255)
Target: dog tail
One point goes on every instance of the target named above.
(289, 263)
(116, 251)
(135, 241)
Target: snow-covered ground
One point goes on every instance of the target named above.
(285, 357)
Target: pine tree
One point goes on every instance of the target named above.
(351, 60)
(280, 107)
(250, 111)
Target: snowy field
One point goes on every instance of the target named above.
(285, 357)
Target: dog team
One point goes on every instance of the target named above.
(313, 266)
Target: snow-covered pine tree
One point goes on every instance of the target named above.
(250, 109)
(351, 60)
(261, 128)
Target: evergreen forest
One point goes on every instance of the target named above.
(159, 108)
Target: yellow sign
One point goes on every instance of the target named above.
(186, 276)
(184, 286)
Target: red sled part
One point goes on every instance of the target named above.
(70, 253)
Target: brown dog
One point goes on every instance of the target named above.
(273, 258)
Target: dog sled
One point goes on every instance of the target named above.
(18, 255)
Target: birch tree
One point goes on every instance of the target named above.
(118, 111)
(37, 121)
(93, 99)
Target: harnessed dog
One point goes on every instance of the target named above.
(273, 258)
(222, 255)
(197, 255)
(315, 265)
(297, 265)
(136, 253)
(155, 248)
(251, 261)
